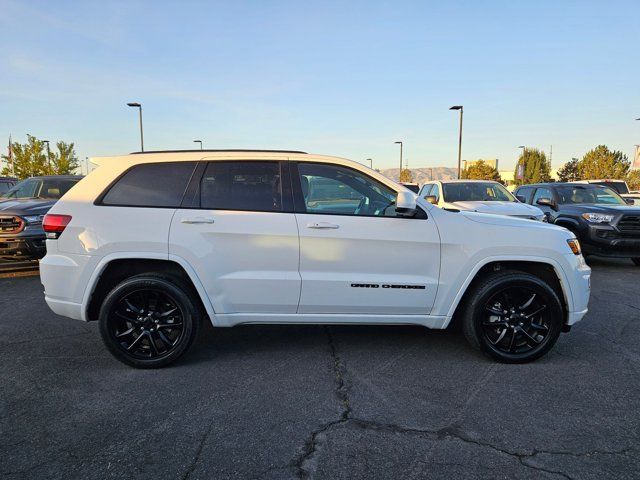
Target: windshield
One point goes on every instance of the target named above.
(598, 195)
(620, 187)
(50, 188)
(476, 192)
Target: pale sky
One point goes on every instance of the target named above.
(338, 78)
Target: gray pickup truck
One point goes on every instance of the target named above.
(21, 211)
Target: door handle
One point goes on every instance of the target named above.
(197, 220)
(322, 225)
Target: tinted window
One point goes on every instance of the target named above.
(151, 185)
(475, 192)
(5, 187)
(242, 186)
(25, 189)
(56, 188)
(525, 193)
(542, 193)
(580, 194)
(331, 189)
(619, 187)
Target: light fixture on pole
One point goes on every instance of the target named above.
(459, 107)
(400, 173)
(139, 107)
(198, 141)
(370, 160)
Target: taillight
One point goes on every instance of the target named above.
(53, 225)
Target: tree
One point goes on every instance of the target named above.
(633, 180)
(481, 171)
(30, 159)
(406, 176)
(65, 161)
(604, 163)
(570, 171)
(536, 167)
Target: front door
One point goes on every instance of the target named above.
(356, 255)
(240, 236)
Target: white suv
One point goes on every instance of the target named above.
(151, 244)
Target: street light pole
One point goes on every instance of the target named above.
(139, 107)
(400, 174)
(459, 107)
(198, 141)
(48, 155)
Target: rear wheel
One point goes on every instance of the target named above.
(636, 260)
(514, 317)
(149, 321)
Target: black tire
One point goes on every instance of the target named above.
(636, 261)
(149, 320)
(494, 321)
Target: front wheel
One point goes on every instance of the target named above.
(514, 317)
(636, 260)
(148, 321)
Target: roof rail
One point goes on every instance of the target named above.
(219, 150)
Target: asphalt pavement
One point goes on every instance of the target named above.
(356, 402)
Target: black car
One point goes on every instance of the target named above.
(603, 221)
(21, 211)
(6, 183)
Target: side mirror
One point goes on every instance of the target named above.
(630, 201)
(546, 202)
(521, 198)
(406, 204)
(431, 199)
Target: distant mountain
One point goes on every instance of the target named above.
(422, 175)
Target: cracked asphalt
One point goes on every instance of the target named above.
(333, 402)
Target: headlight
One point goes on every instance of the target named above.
(574, 245)
(33, 219)
(540, 218)
(597, 217)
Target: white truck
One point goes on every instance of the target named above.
(151, 244)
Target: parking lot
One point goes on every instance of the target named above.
(322, 402)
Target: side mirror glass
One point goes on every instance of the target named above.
(431, 199)
(630, 201)
(406, 204)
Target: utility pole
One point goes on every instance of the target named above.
(459, 107)
(400, 174)
(48, 155)
(139, 107)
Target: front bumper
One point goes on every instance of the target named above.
(608, 241)
(21, 247)
(580, 288)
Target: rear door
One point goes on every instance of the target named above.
(238, 231)
(356, 255)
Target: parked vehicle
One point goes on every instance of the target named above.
(150, 244)
(22, 209)
(603, 221)
(414, 187)
(620, 186)
(6, 183)
(483, 196)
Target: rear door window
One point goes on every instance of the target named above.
(242, 185)
(151, 185)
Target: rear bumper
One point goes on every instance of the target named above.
(64, 308)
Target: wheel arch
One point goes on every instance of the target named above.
(544, 269)
(114, 269)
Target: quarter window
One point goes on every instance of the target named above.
(151, 185)
(331, 189)
(242, 185)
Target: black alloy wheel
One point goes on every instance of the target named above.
(148, 321)
(514, 317)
